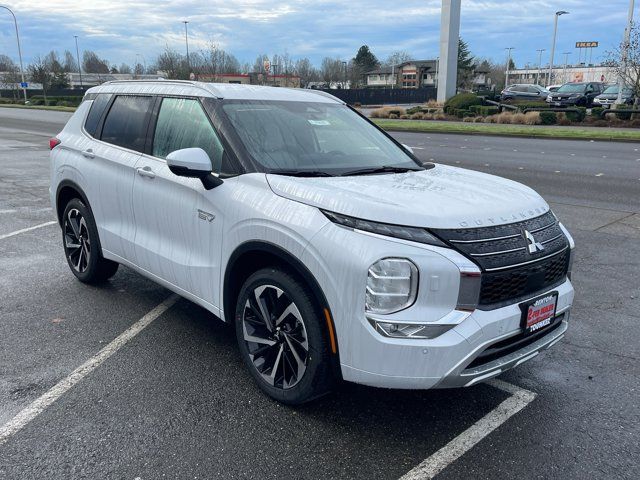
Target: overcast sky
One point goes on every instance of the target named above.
(120, 29)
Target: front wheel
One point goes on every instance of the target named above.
(281, 339)
(82, 246)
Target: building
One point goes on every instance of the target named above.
(291, 81)
(417, 74)
(562, 74)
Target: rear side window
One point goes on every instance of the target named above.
(183, 124)
(126, 122)
(95, 113)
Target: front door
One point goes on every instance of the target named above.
(179, 223)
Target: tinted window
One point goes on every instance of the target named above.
(126, 122)
(183, 124)
(95, 113)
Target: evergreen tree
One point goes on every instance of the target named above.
(466, 64)
(365, 60)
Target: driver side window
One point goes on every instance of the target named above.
(183, 124)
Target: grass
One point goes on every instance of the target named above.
(38, 107)
(576, 133)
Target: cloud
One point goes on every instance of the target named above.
(120, 29)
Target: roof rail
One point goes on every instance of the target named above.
(163, 81)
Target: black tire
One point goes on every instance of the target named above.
(82, 245)
(286, 385)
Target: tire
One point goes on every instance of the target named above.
(82, 245)
(290, 360)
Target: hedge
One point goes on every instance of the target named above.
(461, 101)
(548, 118)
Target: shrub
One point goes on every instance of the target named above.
(491, 119)
(563, 119)
(469, 119)
(525, 105)
(479, 120)
(357, 105)
(577, 116)
(417, 116)
(439, 116)
(414, 110)
(532, 118)
(386, 112)
(461, 101)
(393, 116)
(404, 117)
(396, 111)
(635, 123)
(548, 118)
(504, 117)
(597, 111)
(623, 116)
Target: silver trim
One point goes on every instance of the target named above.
(525, 263)
(513, 249)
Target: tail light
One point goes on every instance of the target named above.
(53, 142)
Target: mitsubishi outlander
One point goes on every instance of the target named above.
(333, 251)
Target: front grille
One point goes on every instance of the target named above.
(510, 272)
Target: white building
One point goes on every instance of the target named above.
(560, 75)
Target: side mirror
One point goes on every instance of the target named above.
(408, 148)
(193, 163)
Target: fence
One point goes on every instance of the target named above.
(379, 96)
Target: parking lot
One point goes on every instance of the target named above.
(128, 381)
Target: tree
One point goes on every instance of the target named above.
(58, 76)
(91, 63)
(39, 73)
(331, 71)
(466, 65)
(172, 64)
(216, 61)
(124, 68)
(10, 75)
(628, 70)
(70, 63)
(365, 60)
(306, 71)
(397, 58)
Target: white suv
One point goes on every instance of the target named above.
(334, 251)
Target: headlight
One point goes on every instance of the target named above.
(548, 98)
(392, 285)
(413, 234)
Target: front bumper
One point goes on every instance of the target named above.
(452, 359)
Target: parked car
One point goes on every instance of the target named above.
(522, 92)
(333, 251)
(575, 94)
(553, 88)
(610, 96)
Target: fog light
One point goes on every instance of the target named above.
(392, 285)
(408, 330)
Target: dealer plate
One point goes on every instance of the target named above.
(539, 312)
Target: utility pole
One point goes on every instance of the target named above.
(625, 52)
(344, 83)
(78, 58)
(540, 50)
(449, 38)
(553, 43)
(186, 41)
(393, 74)
(506, 77)
(15, 22)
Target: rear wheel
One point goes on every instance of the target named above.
(281, 339)
(82, 245)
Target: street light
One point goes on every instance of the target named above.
(625, 52)
(540, 50)
(15, 22)
(553, 43)
(186, 41)
(78, 57)
(506, 78)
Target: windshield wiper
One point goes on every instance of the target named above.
(302, 173)
(383, 169)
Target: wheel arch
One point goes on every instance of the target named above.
(256, 254)
(66, 191)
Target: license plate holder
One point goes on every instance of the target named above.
(539, 312)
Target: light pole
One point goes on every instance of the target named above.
(506, 78)
(15, 22)
(625, 52)
(78, 57)
(540, 50)
(566, 62)
(344, 65)
(186, 41)
(553, 43)
(144, 62)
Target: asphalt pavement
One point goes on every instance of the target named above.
(176, 402)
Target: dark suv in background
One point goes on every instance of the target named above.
(610, 95)
(575, 94)
(523, 93)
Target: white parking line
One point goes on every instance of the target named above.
(40, 404)
(464, 442)
(18, 232)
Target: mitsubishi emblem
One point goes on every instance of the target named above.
(532, 245)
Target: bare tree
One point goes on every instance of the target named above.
(91, 63)
(629, 71)
(124, 68)
(331, 71)
(306, 71)
(10, 75)
(39, 73)
(54, 67)
(173, 64)
(397, 58)
(70, 63)
(216, 61)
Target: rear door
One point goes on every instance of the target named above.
(122, 134)
(179, 223)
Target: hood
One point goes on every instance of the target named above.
(442, 197)
(566, 95)
(612, 96)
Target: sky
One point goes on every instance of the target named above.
(119, 30)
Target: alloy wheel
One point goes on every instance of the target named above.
(77, 243)
(275, 336)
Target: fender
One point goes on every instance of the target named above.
(78, 189)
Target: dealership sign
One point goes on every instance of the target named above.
(586, 44)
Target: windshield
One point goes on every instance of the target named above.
(313, 137)
(572, 88)
(613, 90)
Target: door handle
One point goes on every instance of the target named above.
(88, 153)
(145, 172)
